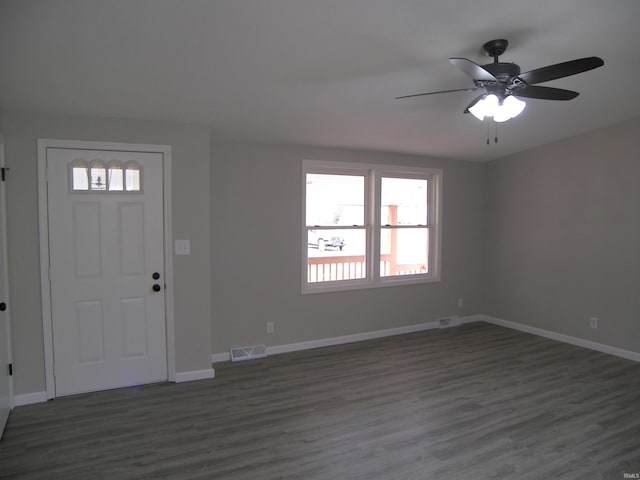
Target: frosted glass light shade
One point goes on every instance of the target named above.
(485, 107)
(511, 107)
(490, 106)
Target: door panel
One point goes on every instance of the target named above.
(134, 327)
(89, 325)
(86, 239)
(131, 241)
(108, 323)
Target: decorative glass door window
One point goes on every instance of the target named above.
(95, 176)
(79, 176)
(132, 177)
(116, 177)
(98, 175)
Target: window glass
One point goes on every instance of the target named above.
(79, 176)
(98, 176)
(335, 255)
(404, 201)
(132, 177)
(335, 199)
(116, 177)
(338, 251)
(404, 251)
(404, 248)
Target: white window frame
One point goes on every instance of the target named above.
(373, 174)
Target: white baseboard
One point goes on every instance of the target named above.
(327, 342)
(220, 357)
(580, 342)
(473, 318)
(357, 337)
(29, 398)
(205, 374)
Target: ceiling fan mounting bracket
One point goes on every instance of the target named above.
(495, 48)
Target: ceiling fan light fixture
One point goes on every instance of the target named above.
(485, 107)
(490, 106)
(477, 111)
(513, 105)
(501, 80)
(501, 116)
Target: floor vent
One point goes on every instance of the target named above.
(248, 353)
(448, 322)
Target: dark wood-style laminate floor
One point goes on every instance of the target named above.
(475, 402)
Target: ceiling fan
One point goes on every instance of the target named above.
(503, 83)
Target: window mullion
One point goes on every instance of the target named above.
(375, 199)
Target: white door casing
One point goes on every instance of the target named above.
(105, 325)
(6, 383)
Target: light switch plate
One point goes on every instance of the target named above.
(182, 247)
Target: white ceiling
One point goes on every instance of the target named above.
(318, 72)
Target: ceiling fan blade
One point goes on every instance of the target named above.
(560, 70)
(475, 100)
(471, 89)
(545, 93)
(475, 71)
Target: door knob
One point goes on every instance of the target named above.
(156, 288)
(3, 307)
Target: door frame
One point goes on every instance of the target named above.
(43, 211)
(5, 254)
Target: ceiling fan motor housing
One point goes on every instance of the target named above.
(506, 76)
(502, 71)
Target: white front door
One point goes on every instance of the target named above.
(106, 255)
(5, 346)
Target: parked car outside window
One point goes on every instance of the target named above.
(322, 241)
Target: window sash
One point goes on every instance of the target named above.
(400, 216)
(397, 260)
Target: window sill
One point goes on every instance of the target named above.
(345, 286)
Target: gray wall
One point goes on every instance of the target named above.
(547, 238)
(190, 208)
(563, 236)
(256, 219)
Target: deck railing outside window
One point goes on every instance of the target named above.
(349, 267)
